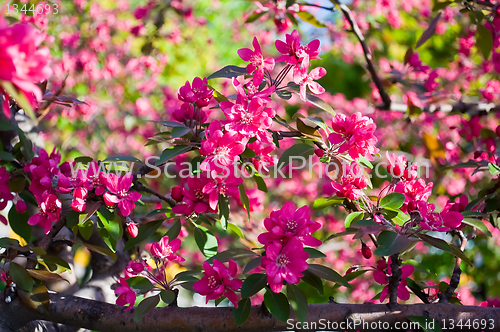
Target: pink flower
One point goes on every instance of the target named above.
(252, 90)
(119, 193)
(293, 53)
(381, 275)
(5, 193)
(397, 167)
(190, 116)
(416, 63)
(434, 221)
(133, 269)
(79, 202)
(218, 280)
(354, 134)
(196, 200)
(308, 81)
(198, 94)
(257, 62)
(414, 191)
(22, 61)
(289, 223)
(492, 90)
(262, 160)
(50, 211)
(221, 149)
(222, 185)
(164, 249)
(249, 119)
(284, 263)
(126, 295)
(352, 184)
(43, 169)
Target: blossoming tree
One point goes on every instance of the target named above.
(258, 186)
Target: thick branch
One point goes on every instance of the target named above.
(394, 280)
(102, 316)
(455, 277)
(368, 56)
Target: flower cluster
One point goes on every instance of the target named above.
(438, 221)
(383, 272)
(288, 231)
(194, 98)
(22, 60)
(352, 184)
(218, 280)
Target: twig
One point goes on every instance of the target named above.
(368, 56)
(455, 277)
(140, 187)
(283, 134)
(394, 280)
(459, 107)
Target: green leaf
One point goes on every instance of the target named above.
(348, 231)
(244, 199)
(26, 145)
(172, 124)
(277, 304)
(255, 16)
(174, 230)
(479, 224)
(140, 283)
(72, 219)
(252, 265)
(19, 223)
(86, 229)
(121, 158)
(242, 313)
(261, 184)
(392, 201)
(158, 211)
(54, 264)
(172, 152)
(298, 301)
(235, 229)
(309, 18)
(297, 150)
(316, 101)
(146, 306)
(427, 324)
(206, 241)
(179, 132)
(390, 243)
(322, 203)
(83, 159)
(223, 210)
(284, 94)
(235, 254)
(445, 246)
(167, 296)
(100, 250)
(313, 280)
(38, 298)
(5, 126)
(314, 253)
(145, 231)
(365, 162)
(21, 277)
(19, 98)
(253, 284)
(112, 225)
(248, 153)
(494, 169)
(441, 5)
(6, 156)
(353, 216)
(328, 274)
(228, 72)
(484, 41)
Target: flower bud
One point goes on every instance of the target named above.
(366, 251)
(497, 131)
(412, 206)
(21, 206)
(319, 152)
(132, 229)
(177, 194)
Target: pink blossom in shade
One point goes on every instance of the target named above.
(380, 276)
(251, 90)
(414, 191)
(491, 91)
(293, 53)
(220, 149)
(308, 81)
(50, 211)
(354, 134)
(118, 193)
(257, 62)
(133, 269)
(352, 184)
(218, 280)
(288, 223)
(249, 119)
(43, 169)
(23, 63)
(189, 115)
(5, 193)
(262, 160)
(440, 222)
(222, 185)
(199, 93)
(284, 263)
(126, 295)
(459, 205)
(194, 198)
(165, 249)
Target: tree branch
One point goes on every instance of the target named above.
(459, 107)
(394, 280)
(455, 277)
(95, 315)
(368, 56)
(140, 187)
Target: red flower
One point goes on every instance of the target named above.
(354, 134)
(257, 62)
(441, 222)
(119, 193)
(164, 249)
(218, 280)
(126, 295)
(221, 186)
(296, 54)
(50, 210)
